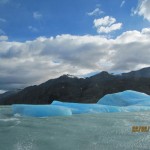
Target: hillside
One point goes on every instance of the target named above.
(88, 90)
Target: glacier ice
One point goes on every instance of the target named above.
(125, 98)
(40, 110)
(126, 101)
(78, 108)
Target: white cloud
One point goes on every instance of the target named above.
(106, 24)
(143, 9)
(33, 62)
(2, 20)
(3, 38)
(106, 21)
(122, 3)
(33, 29)
(95, 12)
(37, 15)
(103, 29)
(132, 50)
(2, 91)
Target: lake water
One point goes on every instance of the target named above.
(103, 131)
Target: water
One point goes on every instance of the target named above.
(104, 131)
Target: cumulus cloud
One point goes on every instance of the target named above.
(106, 24)
(143, 9)
(95, 12)
(132, 49)
(3, 38)
(37, 15)
(33, 62)
(109, 29)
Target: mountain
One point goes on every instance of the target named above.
(145, 72)
(89, 90)
(8, 94)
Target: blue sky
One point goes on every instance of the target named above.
(40, 40)
(63, 17)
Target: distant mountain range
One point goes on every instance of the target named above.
(72, 89)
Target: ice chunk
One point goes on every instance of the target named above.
(127, 101)
(78, 108)
(135, 108)
(125, 98)
(40, 110)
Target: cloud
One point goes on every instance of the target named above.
(33, 29)
(3, 38)
(33, 62)
(132, 49)
(37, 15)
(106, 24)
(2, 20)
(2, 91)
(95, 12)
(122, 3)
(109, 29)
(106, 21)
(142, 9)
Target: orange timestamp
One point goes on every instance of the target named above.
(140, 128)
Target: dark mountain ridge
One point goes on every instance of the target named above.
(88, 90)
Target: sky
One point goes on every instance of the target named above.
(41, 40)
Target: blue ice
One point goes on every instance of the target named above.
(125, 98)
(40, 110)
(127, 101)
(78, 108)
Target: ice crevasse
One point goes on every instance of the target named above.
(126, 101)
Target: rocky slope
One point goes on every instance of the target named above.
(88, 90)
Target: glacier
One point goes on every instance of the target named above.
(126, 101)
